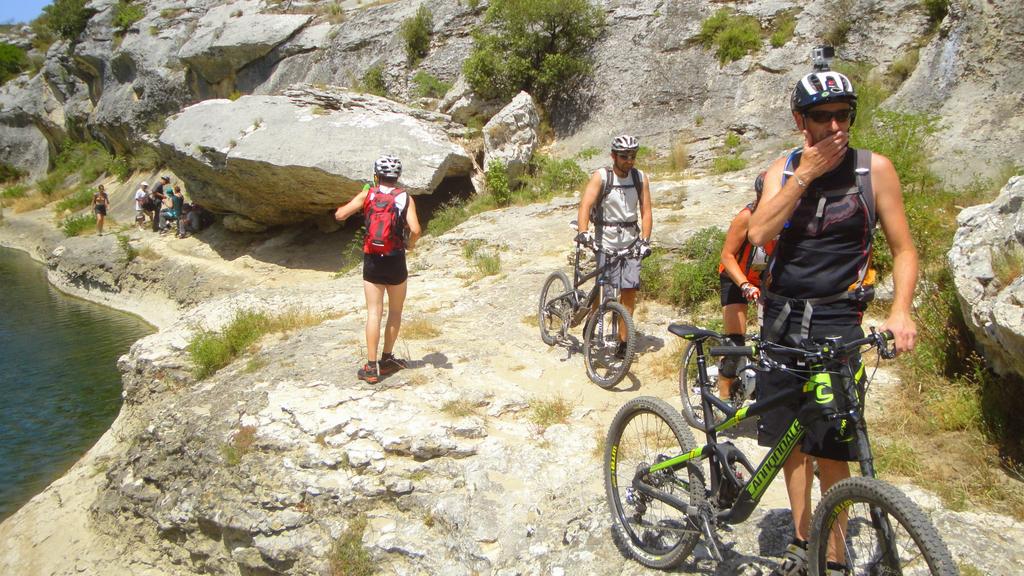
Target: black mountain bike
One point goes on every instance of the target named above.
(661, 507)
(564, 305)
(691, 386)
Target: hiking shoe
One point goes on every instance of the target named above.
(390, 365)
(369, 373)
(794, 561)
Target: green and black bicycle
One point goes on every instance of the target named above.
(655, 475)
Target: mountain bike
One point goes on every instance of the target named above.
(564, 304)
(661, 507)
(691, 385)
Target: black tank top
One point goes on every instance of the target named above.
(825, 247)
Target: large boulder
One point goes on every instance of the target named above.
(511, 135)
(990, 238)
(285, 159)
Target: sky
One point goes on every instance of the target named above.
(21, 10)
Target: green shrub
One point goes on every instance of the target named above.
(372, 81)
(211, 351)
(416, 32)
(348, 557)
(688, 278)
(902, 69)
(126, 13)
(936, 10)
(76, 225)
(16, 191)
(784, 25)
(9, 173)
(728, 163)
(75, 201)
(67, 18)
(549, 177)
(541, 46)
(128, 252)
(732, 34)
(429, 86)
(42, 35)
(841, 22)
(13, 61)
(497, 183)
(487, 263)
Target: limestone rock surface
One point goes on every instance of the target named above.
(289, 158)
(990, 237)
(510, 136)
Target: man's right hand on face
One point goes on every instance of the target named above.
(818, 158)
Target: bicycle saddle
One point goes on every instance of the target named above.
(692, 332)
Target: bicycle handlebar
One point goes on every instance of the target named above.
(833, 347)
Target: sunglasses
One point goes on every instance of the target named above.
(626, 156)
(826, 116)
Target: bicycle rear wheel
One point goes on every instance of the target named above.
(645, 431)
(689, 383)
(554, 311)
(601, 341)
(877, 530)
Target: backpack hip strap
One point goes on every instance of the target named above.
(860, 294)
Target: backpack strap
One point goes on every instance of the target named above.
(638, 185)
(863, 171)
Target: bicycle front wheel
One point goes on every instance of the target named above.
(875, 529)
(645, 431)
(606, 360)
(690, 385)
(555, 310)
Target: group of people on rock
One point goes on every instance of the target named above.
(801, 249)
(165, 207)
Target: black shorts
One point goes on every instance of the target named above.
(730, 292)
(389, 269)
(101, 209)
(831, 439)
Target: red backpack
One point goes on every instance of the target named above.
(383, 222)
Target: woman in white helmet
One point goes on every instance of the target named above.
(389, 213)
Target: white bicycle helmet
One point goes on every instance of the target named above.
(625, 143)
(387, 166)
(823, 88)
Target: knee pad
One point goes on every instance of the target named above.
(728, 364)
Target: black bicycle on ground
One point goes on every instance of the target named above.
(655, 475)
(608, 326)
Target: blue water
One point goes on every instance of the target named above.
(59, 384)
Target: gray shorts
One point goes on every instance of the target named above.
(624, 274)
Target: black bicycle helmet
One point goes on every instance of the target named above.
(625, 143)
(823, 88)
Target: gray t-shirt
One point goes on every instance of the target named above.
(620, 205)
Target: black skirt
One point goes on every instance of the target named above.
(389, 269)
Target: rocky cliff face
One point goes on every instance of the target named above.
(651, 77)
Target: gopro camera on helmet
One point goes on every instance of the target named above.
(822, 57)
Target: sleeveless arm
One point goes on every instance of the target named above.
(588, 199)
(354, 205)
(776, 206)
(413, 222)
(893, 218)
(733, 242)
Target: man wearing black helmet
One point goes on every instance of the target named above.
(620, 199)
(823, 201)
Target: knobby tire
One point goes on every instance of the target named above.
(689, 390)
(644, 431)
(918, 546)
(603, 367)
(556, 284)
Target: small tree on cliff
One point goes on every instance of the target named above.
(67, 18)
(539, 46)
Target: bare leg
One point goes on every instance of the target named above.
(396, 300)
(374, 309)
(832, 471)
(99, 223)
(799, 474)
(627, 297)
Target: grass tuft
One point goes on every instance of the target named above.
(544, 413)
(240, 445)
(348, 557)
